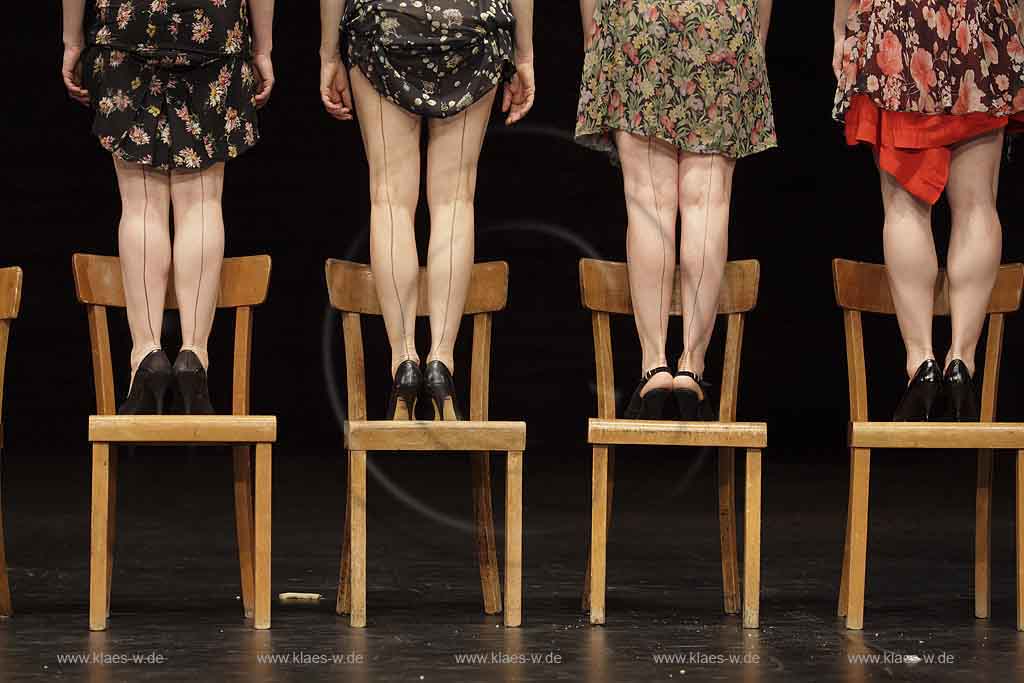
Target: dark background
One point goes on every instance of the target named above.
(301, 196)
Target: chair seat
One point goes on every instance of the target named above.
(675, 433)
(182, 429)
(423, 435)
(994, 435)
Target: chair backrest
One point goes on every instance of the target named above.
(604, 286)
(10, 304)
(864, 288)
(244, 283)
(353, 293)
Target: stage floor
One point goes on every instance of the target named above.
(175, 594)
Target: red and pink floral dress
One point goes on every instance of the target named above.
(919, 76)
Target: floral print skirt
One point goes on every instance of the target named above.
(430, 58)
(691, 73)
(171, 111)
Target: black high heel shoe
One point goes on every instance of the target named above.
(149, 388)
(192, 385)
(405, 391)
(920, 397)
(440, 389)
(963, 402)
(650, 406)
(691, 405)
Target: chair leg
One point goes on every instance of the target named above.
(244, 526)
(6, 609)
(983, 537)
(752, 541)
(727, 528)
(344, 602)
(262, 536)
(99, 556)
(1019, 529)
(111, 522)
(861, 470)
(845, 575)
(486, 551)
(357, 552)
(598, 533)
(608, 523)
(514, 539)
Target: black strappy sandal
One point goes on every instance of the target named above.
(650, 406)
(689, 403)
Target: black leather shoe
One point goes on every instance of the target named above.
(650, 406)
(919, 399)
(405, 391)
(962, 400)
(192, 385)
(149, 388)
(440, 389)
(691, 405)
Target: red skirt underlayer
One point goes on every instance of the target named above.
(916, 148)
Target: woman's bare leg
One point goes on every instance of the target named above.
(912, 267)
(144, 246)
(391, 136)
(198, 253)
(976, 242)
(452, 156)
(650, 170)
(705, 193)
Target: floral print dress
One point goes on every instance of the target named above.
(171, 81)
(690, 72)
(934, 56)
(432, 58)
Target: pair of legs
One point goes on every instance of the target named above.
(391, 136)
(663, 184)
(975, 250)
(147, 253)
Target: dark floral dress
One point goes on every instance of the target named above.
(432, 58)
(171, 81)
(934, 56)
(691, 72)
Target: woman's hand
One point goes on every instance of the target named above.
(264, 67)
(71, 72)
(838, 50)
(334, 89)
(519, 93)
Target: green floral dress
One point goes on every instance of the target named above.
(691, 72)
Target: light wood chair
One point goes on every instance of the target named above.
(244, 284)
(605, 291)
(10, 303)
(864, 288)
(352, 292)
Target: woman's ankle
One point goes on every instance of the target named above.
(201, 353)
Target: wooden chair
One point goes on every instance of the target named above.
(10, 303)
(605, 290)
(352, 292)
(864, 288)
(244, 283)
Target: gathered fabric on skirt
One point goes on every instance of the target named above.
(171, 81)
(691, 73)
(431, 58)
(921, 76)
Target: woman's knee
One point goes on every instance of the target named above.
(705, 181)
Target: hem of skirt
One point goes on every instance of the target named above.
(599, 139)
(203, 165)
(432, 114)
(843, 106)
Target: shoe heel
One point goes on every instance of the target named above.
(189, 385)
(654, 403)
(688, 405)
(159, 385)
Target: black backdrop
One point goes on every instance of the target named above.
(543, 202)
